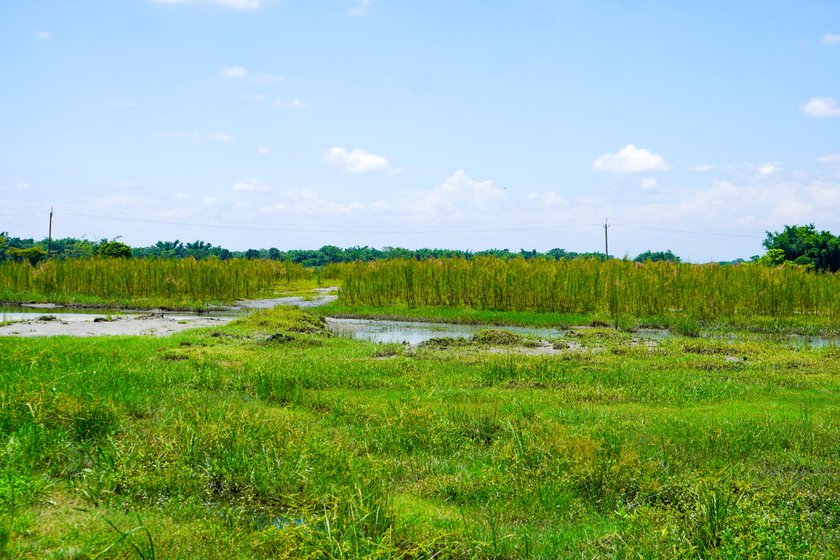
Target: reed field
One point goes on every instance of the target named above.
(176, 282)
(590, 286)
(267, 438)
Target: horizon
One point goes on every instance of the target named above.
(289, 124)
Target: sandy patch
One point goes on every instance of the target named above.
(153, 324)
(325, 296)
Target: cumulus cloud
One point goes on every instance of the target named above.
(295, 103)
(821, 107)
(356, 160)
(44, 35)
(461, 196)
(235, 4)
(308, 202)
(768, 169)
(630, 159)
(242, 73)
(263, 151)
(251, 185)
(359, 7)
(831, 39)
(123, 184)
(209, 200)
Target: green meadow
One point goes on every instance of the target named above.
(271, 438)
(268, 438)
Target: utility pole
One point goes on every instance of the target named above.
(49, 239)
(606, 241)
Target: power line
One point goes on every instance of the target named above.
(351, 228)
(323, 229)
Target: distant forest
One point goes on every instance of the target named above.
(16, 248)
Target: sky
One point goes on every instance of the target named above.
(694, 127)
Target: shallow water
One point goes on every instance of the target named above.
(415, 332)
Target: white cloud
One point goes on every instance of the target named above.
(307, 202)
(295, 103)
(630, 159)
(829, 159)
(831, 39)
(359, 7)
(791, 211)
(233, 72)
(768, 169)
(257, 97)
(220, 136)
(821, 107)
(356, 160)
(702, 168)
(242, 73)
(550, 198)
(648, 184)
(826, 194)
(263, 151)
(181, 196)
(235, 4)
(251, 185)
(209, 200)
(123, 184)
(461, 196)
(44, 35)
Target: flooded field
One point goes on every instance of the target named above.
(416, 332)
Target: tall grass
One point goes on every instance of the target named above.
(182, 279)
(591, 286)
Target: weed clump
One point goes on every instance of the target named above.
(283, 319)
(497, 337)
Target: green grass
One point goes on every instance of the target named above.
(148, 283)
(615, 288)
(268, 438)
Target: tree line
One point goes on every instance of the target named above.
(16, 248)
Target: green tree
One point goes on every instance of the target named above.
(805, 245)
(114, 249)
(657, 256)
(32, 254)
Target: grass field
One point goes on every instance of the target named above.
(269, 439)
(588, 286)
(147, 283)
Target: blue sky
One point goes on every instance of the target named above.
(694, 127)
